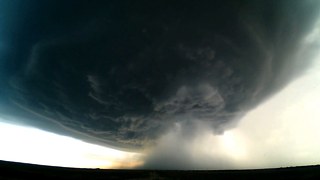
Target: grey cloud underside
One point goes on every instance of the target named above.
(126, 72)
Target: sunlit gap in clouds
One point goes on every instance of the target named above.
(283, 131)
(30, 145)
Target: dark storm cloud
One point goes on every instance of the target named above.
(124, 72)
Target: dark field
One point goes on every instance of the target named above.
(10, 170)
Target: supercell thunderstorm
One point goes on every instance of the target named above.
(123, 73)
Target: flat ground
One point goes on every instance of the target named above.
(10, 170)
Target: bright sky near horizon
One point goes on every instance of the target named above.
(30, 145)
